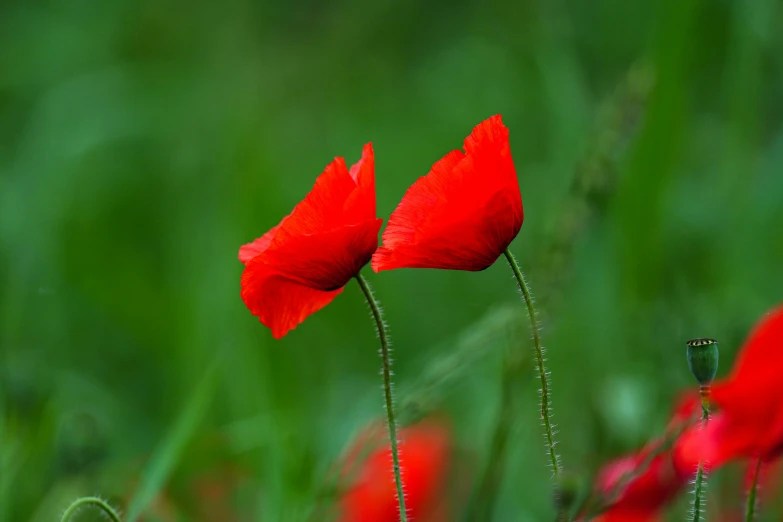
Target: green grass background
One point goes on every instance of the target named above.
(142, 142)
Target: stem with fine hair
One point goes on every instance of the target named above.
(701, 480)
(94, 502)
(542, 373)
(751, 506)
(387, 390)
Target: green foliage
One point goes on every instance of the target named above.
(142, 142)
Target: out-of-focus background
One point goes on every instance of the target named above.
(142, 142)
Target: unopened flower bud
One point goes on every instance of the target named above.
(703, 359)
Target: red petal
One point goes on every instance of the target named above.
(298, 267)
(337, 198)
(363, 171)
(463, 214)
(623, 515)
(257, 247)
(360, 205)
(751, 399)
(761, 358)
(371, 492)
(648, 492)
(333, 232)
(721, 440)
(708, 445)
(278, 302)
(324, 260)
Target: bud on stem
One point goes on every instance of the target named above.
(703, 362)
(703, 359)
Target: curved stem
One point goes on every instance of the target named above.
(701, 480)
(751, 507)
(387, 390)
(542, 373)
(90, 501)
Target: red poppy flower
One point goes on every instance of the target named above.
(463, 214)
(300, 265)
(645, 496)
(368, 479)
(749, 423)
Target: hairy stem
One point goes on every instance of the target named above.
(699, 494)
(96, 502)
(387, 390)
(751, 507)
(545, 401)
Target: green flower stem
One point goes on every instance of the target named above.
(94, 502)
(698, 493)
(542, 373)
(701, 481)
(387, 390)
(751, 507)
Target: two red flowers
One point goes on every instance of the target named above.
(461, 216)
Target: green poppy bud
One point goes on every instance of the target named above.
(703, 359)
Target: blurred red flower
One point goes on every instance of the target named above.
(749, 423)
(463, 214)
(369, 493)
(300, 265)
(646, 494)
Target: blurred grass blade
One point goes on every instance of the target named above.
(9, 464)
(168, 452)
(493, 330)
